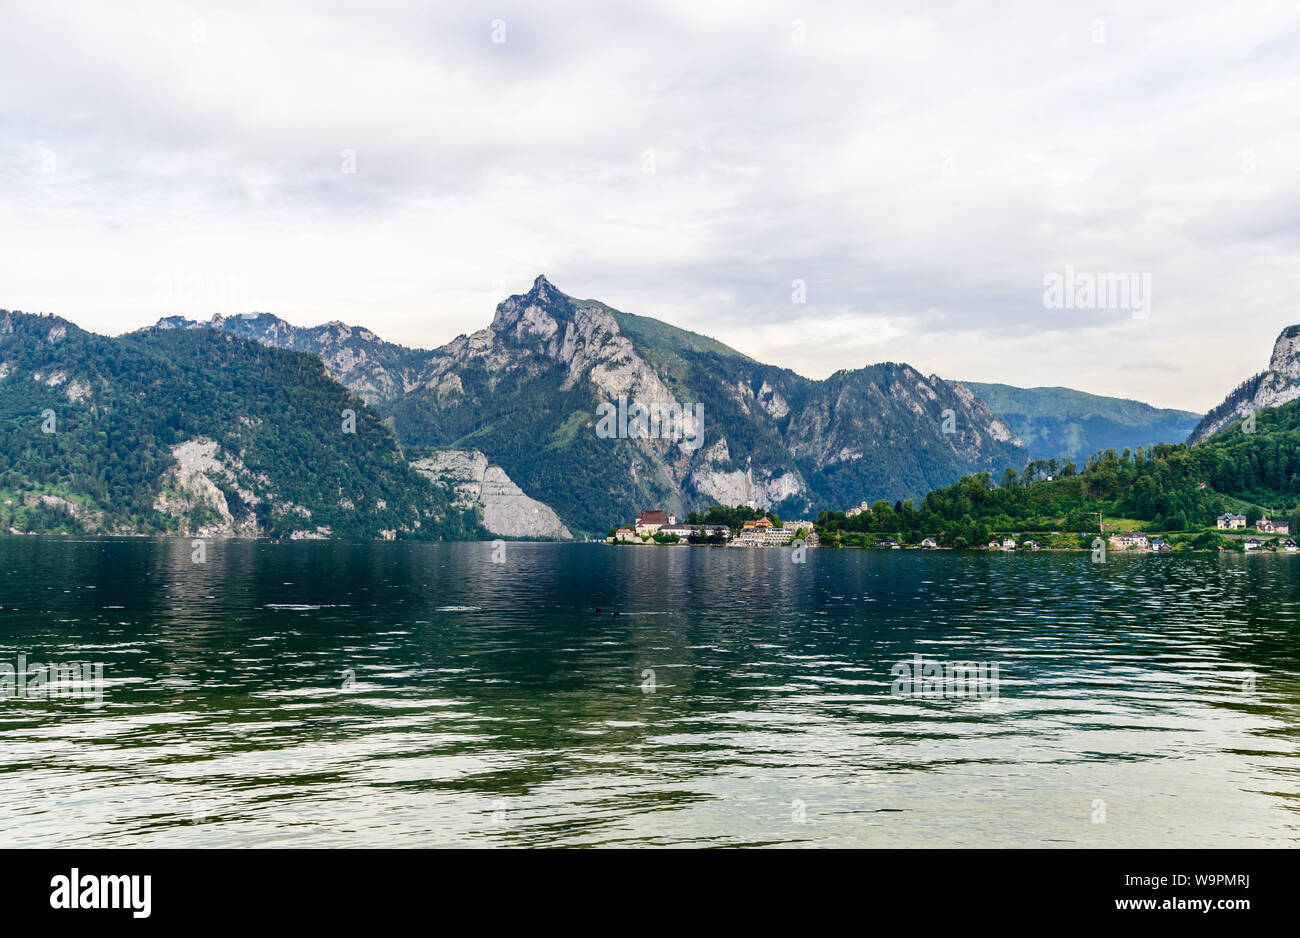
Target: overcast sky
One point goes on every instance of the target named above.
(920, 169)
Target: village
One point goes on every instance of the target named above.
(660, 527)
(1230, 522)
(1141, 541)
(656, 526)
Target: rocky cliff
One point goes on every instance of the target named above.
(1277, 385)
(507, 511)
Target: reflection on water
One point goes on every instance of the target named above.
(398, 694)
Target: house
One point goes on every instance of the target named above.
(648, 522)
(769, 535)
(1231, 521)
(1265, 526)
(929, 543)
(1253, 543)
(1009, 544)
(1031, 545)
(788, 531)
(755, 533)
(683, 531)
(1281, 527)
(1159, 544)
(625, 534)
(864, 508)
(1129, 540)
(887, 543)
(1289, 546)
(993, 545)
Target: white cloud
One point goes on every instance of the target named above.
(920, 173)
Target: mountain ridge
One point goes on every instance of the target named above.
(1060, 422)
(199, 433)
(781, 439)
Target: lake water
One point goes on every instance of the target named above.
(402, 694)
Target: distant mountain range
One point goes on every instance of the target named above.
(1063, 423)
(527, 392)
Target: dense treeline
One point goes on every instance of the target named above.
(118, 406)
(1170, 488)
(733, 518)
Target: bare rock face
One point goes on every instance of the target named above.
(584, 337)
(188, 485)
(993, 424)
(506, 509)
(1279, 385)
(735, 487)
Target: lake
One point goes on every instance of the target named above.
(408, 694)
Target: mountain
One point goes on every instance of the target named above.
(373, 369)
(199, 433)
(532, 391)
(1273, 387)
(1061, 423)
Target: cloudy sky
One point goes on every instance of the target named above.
(912, 172)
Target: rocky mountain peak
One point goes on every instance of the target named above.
(1286, 353)
(219, 321)
(537, 313)
(1272, 388)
